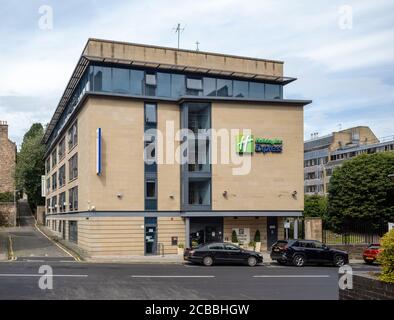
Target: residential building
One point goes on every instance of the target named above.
(7, 160)
(113, 196)
(323, 154)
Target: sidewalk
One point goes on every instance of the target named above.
(3, 246)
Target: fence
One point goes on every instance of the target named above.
(355, 233)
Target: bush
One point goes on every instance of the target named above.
(386, 257)
(181, 246)
(6, 197)
(257, 236)
(234, 238)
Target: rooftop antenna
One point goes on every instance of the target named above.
(178, 30)
(197, 48)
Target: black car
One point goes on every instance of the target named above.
(222, 253)
(300, 252)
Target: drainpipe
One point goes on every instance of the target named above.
(187, 232)
(296, 228)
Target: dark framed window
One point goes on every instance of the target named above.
(224, 88)
(73, 167)
(200, 192)
(137, 81)
(241, 89)
(150, 113)
(256, 90)
(54, 157)
(272, 91)
(54, 204)
(48, 205)
(120, 80)
(163, 84)
(177, 85)
(73, 136)
(73, 231)
(102, 79)
(48, 165)
(62, 176)
(73, 198)
(150, 84)
(150, 190)
(54, 181)
(194, 86)
(48, 185)
(209, 86)
(62, 202)
(62, 149)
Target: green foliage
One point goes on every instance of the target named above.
(6, 197)
(315, 206)
(30, 165)
(386, 257)
(181, 246)
(257, 236)
(360, 190)
(234, 238)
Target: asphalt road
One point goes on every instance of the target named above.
(78, 280)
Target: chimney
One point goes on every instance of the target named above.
(3, 130)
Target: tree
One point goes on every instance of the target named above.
(30, 165)
(234, 238)
(386, 257)
(360, 191)
(315, 206)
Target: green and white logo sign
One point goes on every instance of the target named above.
(245, 143)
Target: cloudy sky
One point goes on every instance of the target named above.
(342, 52)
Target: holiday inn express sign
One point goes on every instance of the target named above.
(249, 144)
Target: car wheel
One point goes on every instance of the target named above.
(207, 261)
(339, 260)
(252, 261)
(299, 260)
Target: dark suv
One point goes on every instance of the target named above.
(300, 252)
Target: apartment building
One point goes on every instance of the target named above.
(114, 184)
(323, 154)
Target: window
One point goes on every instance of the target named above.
(272, 91)
(73, 198)
(73, 136)
(54, 158)
(151, 189)
(62, 202)
(231, 247)
(73, 167)
(54, 204)
(73, 231)
(137, 81)
(225, 88)
(48, 185)
(62, 149)
(102, 79)
(216, 247)
(150, 113)
(194, 86)
(199, 192)
(163, 84)
(54, 181)
(48, 165)
(48, 205)
(177, 85)
(120, 80)
(62, 176)
(150, 151)
(256, 90)
(241, 89)
(209, 87)
(150, 84)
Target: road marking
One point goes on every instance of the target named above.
(294, 276)
(40, 275)
(148, 276)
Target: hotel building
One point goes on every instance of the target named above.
(106, 189)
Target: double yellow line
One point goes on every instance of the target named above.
(11, 256)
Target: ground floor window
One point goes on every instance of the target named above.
(204, 230)
(73, 231)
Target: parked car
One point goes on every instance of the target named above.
(370, 254)
(300, 252)
(222, 253)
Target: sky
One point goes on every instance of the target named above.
(342, 52)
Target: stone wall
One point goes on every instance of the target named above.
(313, 228)
(7, 160)
(7, 214)
(367, 287)
(355, 250)
(40, 215)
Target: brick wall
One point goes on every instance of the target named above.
(7, 159)
(367, 287)
(7, 214)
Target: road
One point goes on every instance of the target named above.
(78, 280)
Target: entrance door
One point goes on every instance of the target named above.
(150, 239)
(213, 234)
(272, 231)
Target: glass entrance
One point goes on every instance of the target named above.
(206, 230)
(150, 235)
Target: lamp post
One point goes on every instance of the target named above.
(16, 209)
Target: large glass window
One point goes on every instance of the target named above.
(102, 79)
(54, 158)
(73, 198)
(177, 85)
(151, 189)
(73, 136)
(62, 202)
(225, 88)
(163, 84)
(150, 113)
(62, 149)
(48, 165)
(54, 181)
(137, 81)
(194, 86)
(54, 204)
(73, 167)
(272, 91)
(199, 192)
(209, 86)
(121, 80)
(62, 176)
(241, 89)
(150, 84)
(256, 90)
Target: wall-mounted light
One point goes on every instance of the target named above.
(172, 196)
(119, 195)
(225, 193)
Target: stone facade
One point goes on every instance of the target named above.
(367, 287)
(7, 214)
(7, 160)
